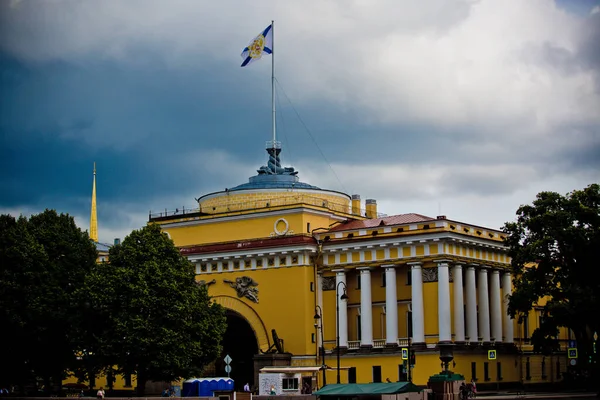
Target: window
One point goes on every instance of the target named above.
(308, 227)
(289, 384)
(203, 267)
(474, 371)
(127, 380)
(236, 265)
(282, 260)
(352, 375)
(383, 282)
(358, 281)
(312, 338)
(312, 286)
(544, 376)
(259, 262)
(358, 328)
(528, 370)
(402, 373)
(376, 373)
(409, 277)
(526, 327)
(498, 371)
(409, 330)
(486, 371)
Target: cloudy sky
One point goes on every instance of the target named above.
(465, 108)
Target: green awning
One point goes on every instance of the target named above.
(366, 389)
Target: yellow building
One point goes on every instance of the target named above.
(277, 252)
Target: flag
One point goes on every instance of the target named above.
(263, 43)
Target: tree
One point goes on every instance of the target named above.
(21, 259)
(44, 263)
(554, 246)
(152, 319)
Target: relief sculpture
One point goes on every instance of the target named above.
(245, 287)
(328, 282)
(430, 275)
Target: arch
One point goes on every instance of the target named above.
(250, 315)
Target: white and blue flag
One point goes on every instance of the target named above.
(263, 43)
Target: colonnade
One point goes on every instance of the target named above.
(480, 297)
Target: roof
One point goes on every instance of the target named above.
(102, 247)
(391, 220)
(289, 370)
(366, 389)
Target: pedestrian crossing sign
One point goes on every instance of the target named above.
(573, 353)
(491, 354)
(404, 353)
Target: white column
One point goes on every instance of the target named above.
(495, 306)
(471, 294)
(320, 304)
(366, 308)
(340, 276)
(459, 311)
(508, 322)
(444, 317)
(484, 305)
(418, 320)
(391, 306)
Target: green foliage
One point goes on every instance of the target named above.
(553, 246)
(150, 317)
(44, 262)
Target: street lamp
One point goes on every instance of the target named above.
(344, 296)
(319, 317)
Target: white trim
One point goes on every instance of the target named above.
(247, 253)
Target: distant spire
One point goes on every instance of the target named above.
(94, 215)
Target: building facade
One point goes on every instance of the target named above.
(304, 271)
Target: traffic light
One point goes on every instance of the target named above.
(413, 358)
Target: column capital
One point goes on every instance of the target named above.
(339, 271)
(495, 271)
(388, 266)
(361, 269)
(415, 265)
(442, 261)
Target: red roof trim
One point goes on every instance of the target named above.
(248, 244)
(386, 221)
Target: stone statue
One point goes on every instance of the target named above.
(204, 283)
(245, 287)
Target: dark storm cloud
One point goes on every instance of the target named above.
(435, 99)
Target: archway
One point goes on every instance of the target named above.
(239, 342)
(244, 338)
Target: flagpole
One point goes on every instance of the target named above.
(273, 80)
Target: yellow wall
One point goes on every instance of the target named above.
(286, 303)
(426, 365)
(244, 229)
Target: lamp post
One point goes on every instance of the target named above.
(344, 296)
(319, 317)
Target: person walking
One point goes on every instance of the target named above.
(247, 387)
(100, 394)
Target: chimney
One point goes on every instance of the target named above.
(441, 217)
(117, 241)
(371, 206)
(356, 204)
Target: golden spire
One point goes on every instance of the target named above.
(94, 215)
